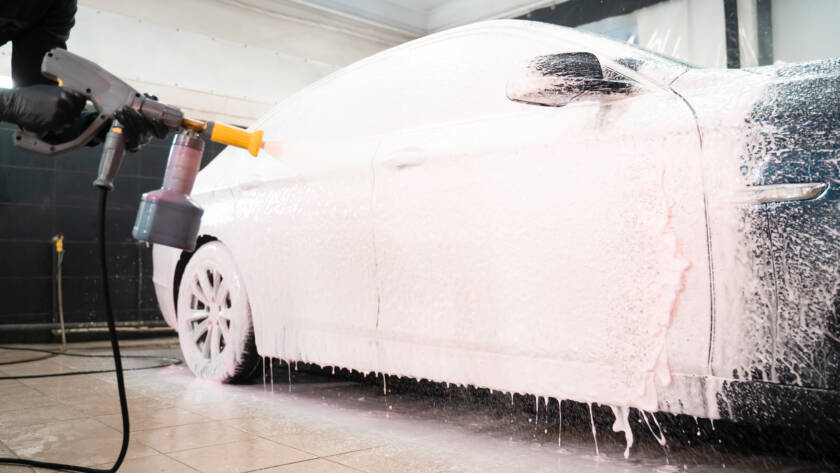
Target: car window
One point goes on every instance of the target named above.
(465, 76)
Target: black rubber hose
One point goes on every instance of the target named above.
(27, 360)
(79, 373)
(115, 348)
(87, 355)
(165, 361)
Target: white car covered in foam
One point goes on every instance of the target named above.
(531, 209)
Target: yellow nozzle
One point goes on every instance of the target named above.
(227, 135)
(59, 243)
(221, 133)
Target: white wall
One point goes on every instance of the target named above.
(216, 59)
(805, 29)
(460, 12)
(689, 30)
(420, 17)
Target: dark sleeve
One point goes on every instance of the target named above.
(51, 31)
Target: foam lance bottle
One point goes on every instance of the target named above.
(168, 216)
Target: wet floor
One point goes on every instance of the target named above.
(320, 422)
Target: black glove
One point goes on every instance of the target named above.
(137, 129)
(40, 108)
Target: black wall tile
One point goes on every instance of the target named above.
(21, 318)
(80, 224)
(76, 189)
(31, 222)
(40, 197)
(120, 224)
(146, 260)
(149, 184)
(25, 259)
(152, 161)
(84, 159)
(26, 296)
(148, 300)
(11, 156)
(126, 193)
(81, 259)
(124, 256)
(83, 298)
(26, 186)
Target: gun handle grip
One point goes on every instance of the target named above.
(32, 142)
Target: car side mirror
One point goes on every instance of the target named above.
(555, 80)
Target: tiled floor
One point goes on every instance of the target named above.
(178, 423)
(313, 424)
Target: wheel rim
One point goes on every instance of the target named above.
(210, 312)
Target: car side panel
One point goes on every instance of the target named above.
(777, 282)
(304, 242)
(558, 252)
(164, 260)
(795, 138)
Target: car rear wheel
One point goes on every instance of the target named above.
(214, 317)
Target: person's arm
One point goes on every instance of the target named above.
(50, 31)
(46, 108)
(36, 103)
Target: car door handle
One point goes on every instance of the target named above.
(405, 159)
(780, 193)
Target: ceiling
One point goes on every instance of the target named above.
(420, 17)
(419, 5)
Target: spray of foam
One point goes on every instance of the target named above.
(273, 148)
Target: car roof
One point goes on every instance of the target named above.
(662, 73)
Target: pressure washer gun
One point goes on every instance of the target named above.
(167, 216)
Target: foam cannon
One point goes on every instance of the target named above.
(167, 216)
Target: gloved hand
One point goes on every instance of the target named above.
(40, 108)
(137, 130)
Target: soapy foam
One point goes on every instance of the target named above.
(626, 308)
(622, 424)
(560, 423)
(562, 276)
(273, 148)
(594, 432)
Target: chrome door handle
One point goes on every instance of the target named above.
(780, 193)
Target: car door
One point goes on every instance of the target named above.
(305, 223)
(554, 251)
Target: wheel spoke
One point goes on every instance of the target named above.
(217, 284)
(222, 292)
(215, 339)
(198, 292)
(225, 332)
(206, 286)
(200, 330)
(197, 315)
(206, 348)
